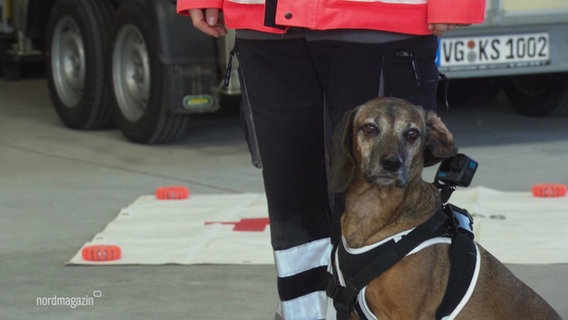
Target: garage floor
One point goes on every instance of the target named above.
(58, 187)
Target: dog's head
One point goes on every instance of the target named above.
(388, 141)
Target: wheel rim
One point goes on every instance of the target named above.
(68, 62)
(131, 72)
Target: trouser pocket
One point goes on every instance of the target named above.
(410, 71)
(247, 121)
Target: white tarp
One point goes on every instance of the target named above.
(233, 229)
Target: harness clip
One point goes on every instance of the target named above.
(461, 220)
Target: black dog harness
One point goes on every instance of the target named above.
(353, 269)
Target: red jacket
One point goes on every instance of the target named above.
(402, 16)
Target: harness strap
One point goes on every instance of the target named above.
(382, 263)
(463, 257)
(362, 308)
(344, 297)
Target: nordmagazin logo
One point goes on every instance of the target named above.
(69, 302)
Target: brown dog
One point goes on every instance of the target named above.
(377, 155)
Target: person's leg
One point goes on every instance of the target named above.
(285, 98)
(410, 70)
(350, 75)
(353, 72)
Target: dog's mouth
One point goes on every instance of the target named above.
(385, 179)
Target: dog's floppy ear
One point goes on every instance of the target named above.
(439, 141)
(341, 163)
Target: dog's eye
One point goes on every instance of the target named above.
(412, 134)
(370, 129)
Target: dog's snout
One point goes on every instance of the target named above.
(391, 162)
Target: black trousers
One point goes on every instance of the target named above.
(294, 93)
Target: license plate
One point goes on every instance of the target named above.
(490, 52)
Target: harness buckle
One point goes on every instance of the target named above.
(461, 220)
(343, 298)
(343, 311)
(332, 289)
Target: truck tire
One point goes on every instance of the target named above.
(538, 94)
(77, 33)
(136, 74)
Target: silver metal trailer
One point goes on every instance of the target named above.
(138, 65)
(521, 47)
(135, 64)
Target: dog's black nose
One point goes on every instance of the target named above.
(391, 163)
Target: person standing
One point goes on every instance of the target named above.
(302, 64)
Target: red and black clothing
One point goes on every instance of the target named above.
(302, 65)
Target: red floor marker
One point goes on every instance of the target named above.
(172, 193)
(549, 190)
(101, 253)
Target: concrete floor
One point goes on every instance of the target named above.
(58, 187)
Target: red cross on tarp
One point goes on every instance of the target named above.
(245, 224)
